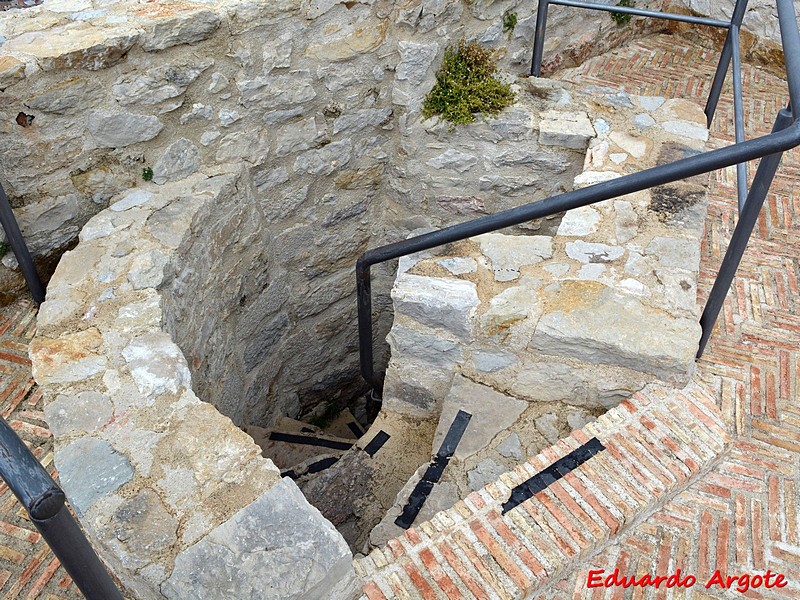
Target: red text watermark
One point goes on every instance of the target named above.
(740, 583)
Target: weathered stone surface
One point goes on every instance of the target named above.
(65, 97)
(297, 136)
(278, 547)
(120, 129)
(156, 365)
(453, 159)
(594, 323)
(580, 221)
(587, 252)
(426, 347)
(487, 471)
(440, 303)
(509, 253)
(509, 306)
(144, 526)
(277, 90)
(147, 270)
(180, 159)
(83, 412)
(325, 160)
(361, 119)
(188, 28)
(110, 471)
(157, 84)
(71, 357)
(131, 199)
(570, 130)
(680, 253)
(415, 61)
(491, 411)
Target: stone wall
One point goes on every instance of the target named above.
(95, 93)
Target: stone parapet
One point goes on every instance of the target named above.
(173, 494)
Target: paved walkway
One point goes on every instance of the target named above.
(743, 518)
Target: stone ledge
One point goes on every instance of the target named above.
(173, 481)
(656, 444)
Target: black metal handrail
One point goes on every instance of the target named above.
(770, 148)
(20, 248)
(44, 501)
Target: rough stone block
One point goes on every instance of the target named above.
(447, 304)
(567, 129)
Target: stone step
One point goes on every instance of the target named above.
(298, 445)
(537, 522)
(502, 430)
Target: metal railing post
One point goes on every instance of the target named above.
(45, 503)
(364, 295)
(20, 248)
(741, 235)
(724, 62)
(538, 39)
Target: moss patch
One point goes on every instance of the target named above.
(465, 85)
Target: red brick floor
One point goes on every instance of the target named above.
(743, 517)
(27, 567)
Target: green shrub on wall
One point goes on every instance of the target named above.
(465, 85)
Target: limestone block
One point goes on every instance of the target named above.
(157, 84)
(415, 61)
(75, 45)
(110, 471)
(12, 70)
(143, 527)
(131, 199)
(156, 365)
(69, 96)
(491, 411)
(580, 221)
(453, 159)
(278, 547)
(509, 306)
(187, 28)
(508, 253)
(687, 129)
(83, 412)
(350, 41)
(273, 91)
(424, 346)
(325, 160)
(566, 129)
(361, 119)
(120, 129)
(594, 323)
(447, 304)
(297, 136)
(180, 159)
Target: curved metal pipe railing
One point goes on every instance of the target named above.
(769, 148)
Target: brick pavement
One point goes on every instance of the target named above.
(740, 516)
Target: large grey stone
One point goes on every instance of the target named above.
(440, 303)
(424, 346)
(508, 253)
(183, 28)
(180, 159)
(120, 129)
(157, 84)
(595, 323)
(491, 411)
(453, 159)
(587, 252)
(277, 548)
(325, 160)
(361, 119)
(415, 61)
(84, 486)
(277, 90)
(296, 136)
(83, 412)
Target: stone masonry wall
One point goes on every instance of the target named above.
(316, 102)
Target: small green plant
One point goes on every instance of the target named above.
(4, 248)
(465, 85)
(147, 174)
(623, 18)
(509, 23)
